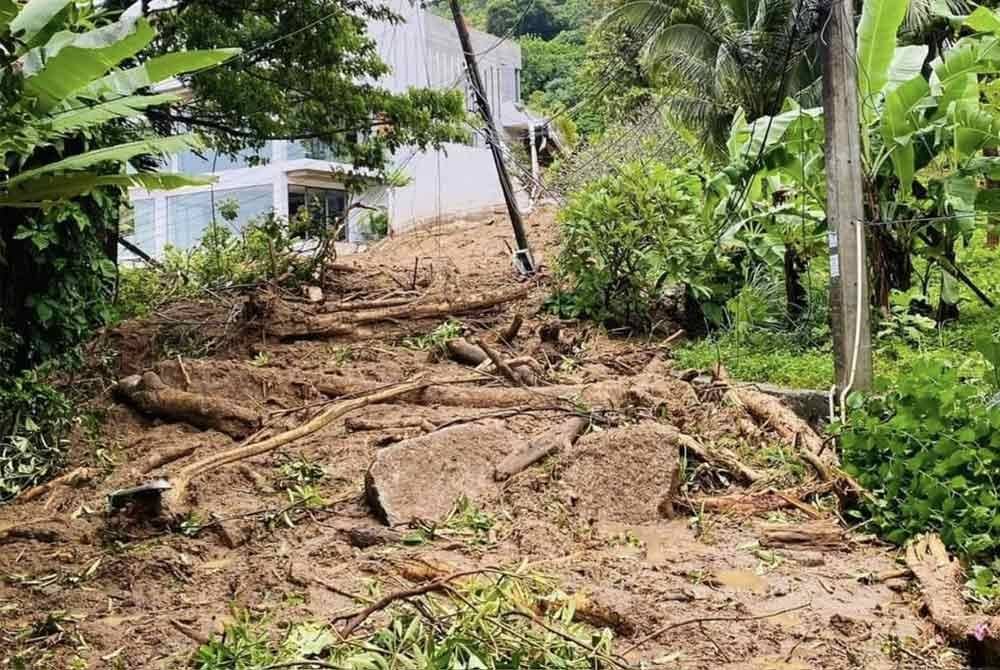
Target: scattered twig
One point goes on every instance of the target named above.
(499, 363)
(75, 478)
(355, 620)
(700, 620)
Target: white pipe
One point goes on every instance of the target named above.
(857, 321)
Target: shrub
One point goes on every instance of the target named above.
(626, 237)
(929, 452)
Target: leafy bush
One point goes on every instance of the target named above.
(929, 451)
(626, 237)
(34, 421)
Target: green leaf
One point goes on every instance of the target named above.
(907, 62)
(50, 188)
(900, 119)
(120, 108)
(163, 146)
(880, 22)
(8, 10)
(35, 16)
(53, 79)
(983, 20)
(156, 70)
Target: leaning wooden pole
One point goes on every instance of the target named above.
(524, 259)
(849, 294)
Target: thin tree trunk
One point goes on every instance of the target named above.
(795, 291)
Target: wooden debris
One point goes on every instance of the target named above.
(461, 351)
(941, 577)
(814, 535)
(150, 395)
(373, 536)
(76, 477)
(290, 324)
(719, 457)
(158, 459)
(760, 502)
(560, 437)
(500, 364)
(361, 424)
(327, 417)
(511, 332)
(38, 530)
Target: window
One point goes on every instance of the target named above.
(326, 206)
(138, 224)
(189, 216)
(212, 161)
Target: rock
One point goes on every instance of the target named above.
(313, 294)
(366, 537)
(422, 478)
(628, 475)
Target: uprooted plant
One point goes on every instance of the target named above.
(487, 622)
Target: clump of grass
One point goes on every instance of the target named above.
(437, 338)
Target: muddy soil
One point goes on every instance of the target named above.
(112, 591)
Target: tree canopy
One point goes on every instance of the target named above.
(307, 73)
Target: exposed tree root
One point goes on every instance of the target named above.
(77, 477)
(151, 396)
(184, 477)
(289, 324)
(560, 437)
(941, 578)
(511, 332)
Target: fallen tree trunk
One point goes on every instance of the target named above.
(560, 437)
(151, 396)
(611, 394)
(941, 577)
(295, 325)
(184, 477)
(783, 420)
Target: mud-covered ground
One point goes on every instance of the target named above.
(80, 588)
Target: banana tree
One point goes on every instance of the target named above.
(73, 137)
(779, 223)
(923, 140)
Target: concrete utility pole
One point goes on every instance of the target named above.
(525, 261)
(845, 213)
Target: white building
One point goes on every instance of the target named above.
(457, 181)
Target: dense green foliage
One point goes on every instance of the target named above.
(626, 237)
(928, 451)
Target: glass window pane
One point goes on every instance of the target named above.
(191, 163)
(189, 216)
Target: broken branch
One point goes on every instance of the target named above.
(323, 420)
(560, 437)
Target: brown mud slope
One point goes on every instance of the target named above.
(712, 542)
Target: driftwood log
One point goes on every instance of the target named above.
(290, 324)
(941, 577)
(150, 395)
(461, 351)
(560, 437)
